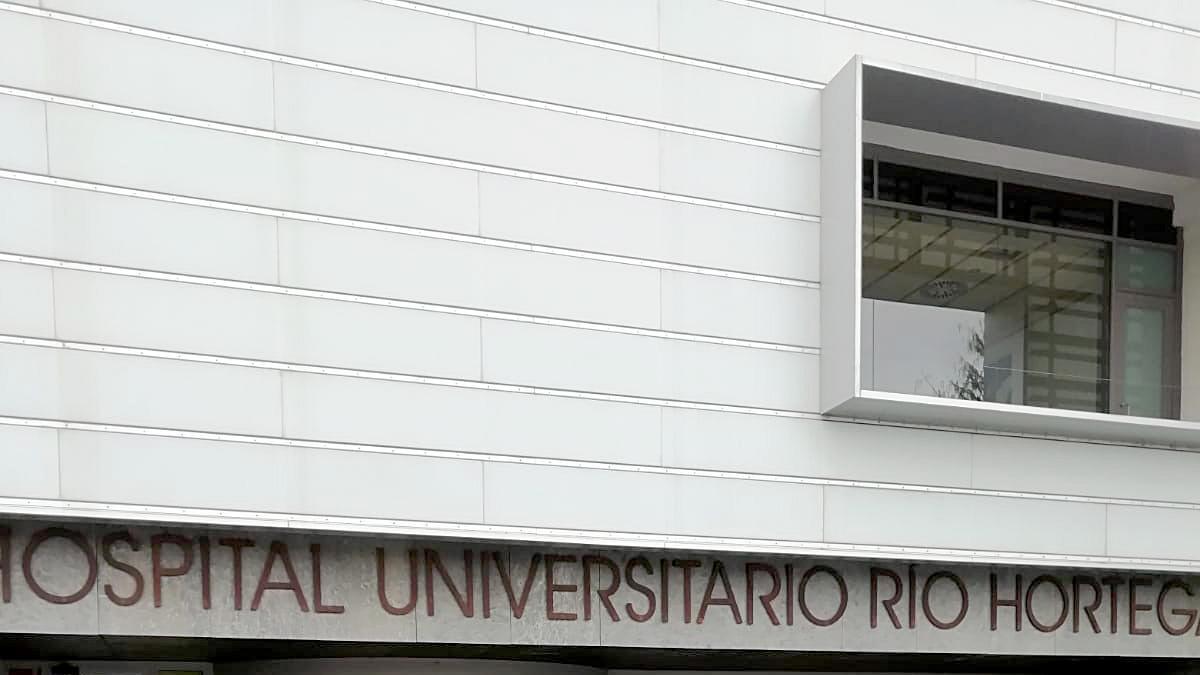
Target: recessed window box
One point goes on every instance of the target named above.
(1006, 296)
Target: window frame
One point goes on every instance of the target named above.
(1117, 297)
(963, 118)
(1170, 398)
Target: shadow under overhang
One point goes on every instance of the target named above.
(941, 104)
(219, 650)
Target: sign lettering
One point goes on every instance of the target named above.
(125, 570)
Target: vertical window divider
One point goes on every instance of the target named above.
(1114, 389)
(874, 178)
(1110, 370)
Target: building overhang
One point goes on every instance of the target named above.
(869, 93)
(981, 111)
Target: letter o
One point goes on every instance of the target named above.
(844, 597)
(962, 592)
(40, 537)
(1062, 593)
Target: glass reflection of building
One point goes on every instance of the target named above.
(1004, 291)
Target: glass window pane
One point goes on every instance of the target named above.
(1147, 223)
(868, 179)
(938, 190)
(1141, 268)
(1057, 209)
(924, 349)
(1142, 379)
(981, 311)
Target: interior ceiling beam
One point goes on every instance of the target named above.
(914, 254)
(942, 274)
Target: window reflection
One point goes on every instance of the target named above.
(937, 189)
(971, 310)
(1052, 208)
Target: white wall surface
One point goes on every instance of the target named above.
(562, 281)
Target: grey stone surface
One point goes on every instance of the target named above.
(927, 606)
(58, 567)
(535, 626)
(447, 623)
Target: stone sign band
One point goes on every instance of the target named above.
(192, 582)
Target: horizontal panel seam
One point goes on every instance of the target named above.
(959, 47)
(683, 129)
(403, 155)
(357, 298)
(472, 92)
(385, 376)
(612, 398)
(594, 465)
(32, 260)
(309, 523)
(1099, 550)
(603, 44)
(1122, 16)
(405, 230)
(801, 14)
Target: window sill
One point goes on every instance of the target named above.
(1019, 419)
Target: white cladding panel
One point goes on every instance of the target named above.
(587, 360)
(906, 518)
(22, 135)
(31, 462)
(103, 65)
(201, 319)
(113, 148)
(1139, 530)
(383, 264)
(809, 447)
(709, 305)
(382, 114)
(749, 175)
(639, 188)
(1148, 54)
(129, 232)
(92, 387)
(239, 22)
(588, 76)
(624, 21)
(346, 409)
(376, 37)
(1174, 12)
(698, 28)
(1036, 31)
(26, 300)
(619, 224)
(270, 478)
